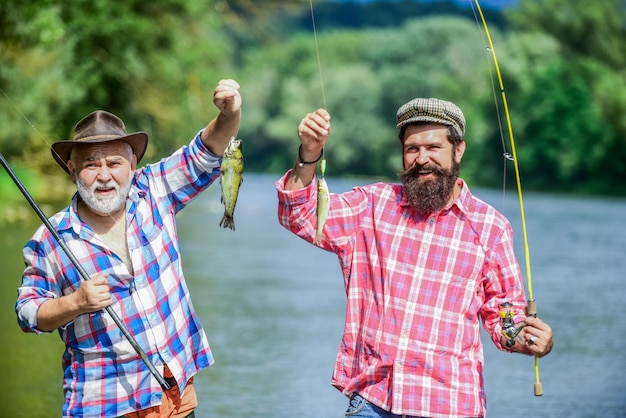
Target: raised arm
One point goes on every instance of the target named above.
(313, 132)
(225, 125)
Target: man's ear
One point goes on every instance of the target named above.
(72, 170)
(460, 150)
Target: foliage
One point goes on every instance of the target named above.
(576, 96)
(155, 64)
(366, 76)
(587, 28)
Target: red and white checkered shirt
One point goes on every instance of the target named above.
(417, 289)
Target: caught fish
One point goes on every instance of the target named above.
(231, 178)
(323, 204)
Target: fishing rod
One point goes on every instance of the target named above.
(319, 68)
(164, 385)
(323, 202)
(531, 309)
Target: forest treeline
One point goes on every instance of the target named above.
(155, 64)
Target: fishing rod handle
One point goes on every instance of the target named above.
(531, 310)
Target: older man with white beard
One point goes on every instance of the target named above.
(121, 227)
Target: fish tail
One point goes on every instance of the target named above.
(227, 222)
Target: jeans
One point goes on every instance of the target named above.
(360, 408)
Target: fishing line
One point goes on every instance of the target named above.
(513, 157)
(317, 51)
(32, 125)
(24, 117)
(488, 56)
(319, 66)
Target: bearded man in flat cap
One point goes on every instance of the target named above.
(424, 263)
(121, 227)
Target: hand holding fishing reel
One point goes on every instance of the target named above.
(511, 331)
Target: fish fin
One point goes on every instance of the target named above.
(228, 222)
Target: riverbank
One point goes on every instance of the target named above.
(51, 193)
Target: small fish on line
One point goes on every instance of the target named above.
(231, 179)
(323, 205)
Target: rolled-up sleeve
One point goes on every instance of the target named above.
(35, 289)
(297, 208)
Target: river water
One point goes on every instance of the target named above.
(273, 307)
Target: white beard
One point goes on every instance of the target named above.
(104, 205)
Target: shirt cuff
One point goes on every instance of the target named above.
(27, 315)
(207, 159)
(294, 197)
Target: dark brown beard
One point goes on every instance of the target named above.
(429, 195)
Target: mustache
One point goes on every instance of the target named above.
(104, 185)
(417, 169)
(96, 186)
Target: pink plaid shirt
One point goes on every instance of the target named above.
(417, 290)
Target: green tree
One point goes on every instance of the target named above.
(133, 58)
(152, 63)
(565, 127)
(366, 76)
(578, 93)
(587, 28)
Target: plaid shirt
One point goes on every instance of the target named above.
(103, 375)
(417, 290)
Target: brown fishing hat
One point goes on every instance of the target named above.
(99, 126)
(431, 110)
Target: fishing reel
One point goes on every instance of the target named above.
(510, 329)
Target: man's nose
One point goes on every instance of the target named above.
(421, 158)
(104, 173)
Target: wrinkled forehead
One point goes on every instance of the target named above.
(102, 150)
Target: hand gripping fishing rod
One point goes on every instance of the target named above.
(164, 385)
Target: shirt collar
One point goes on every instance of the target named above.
(135, 194)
